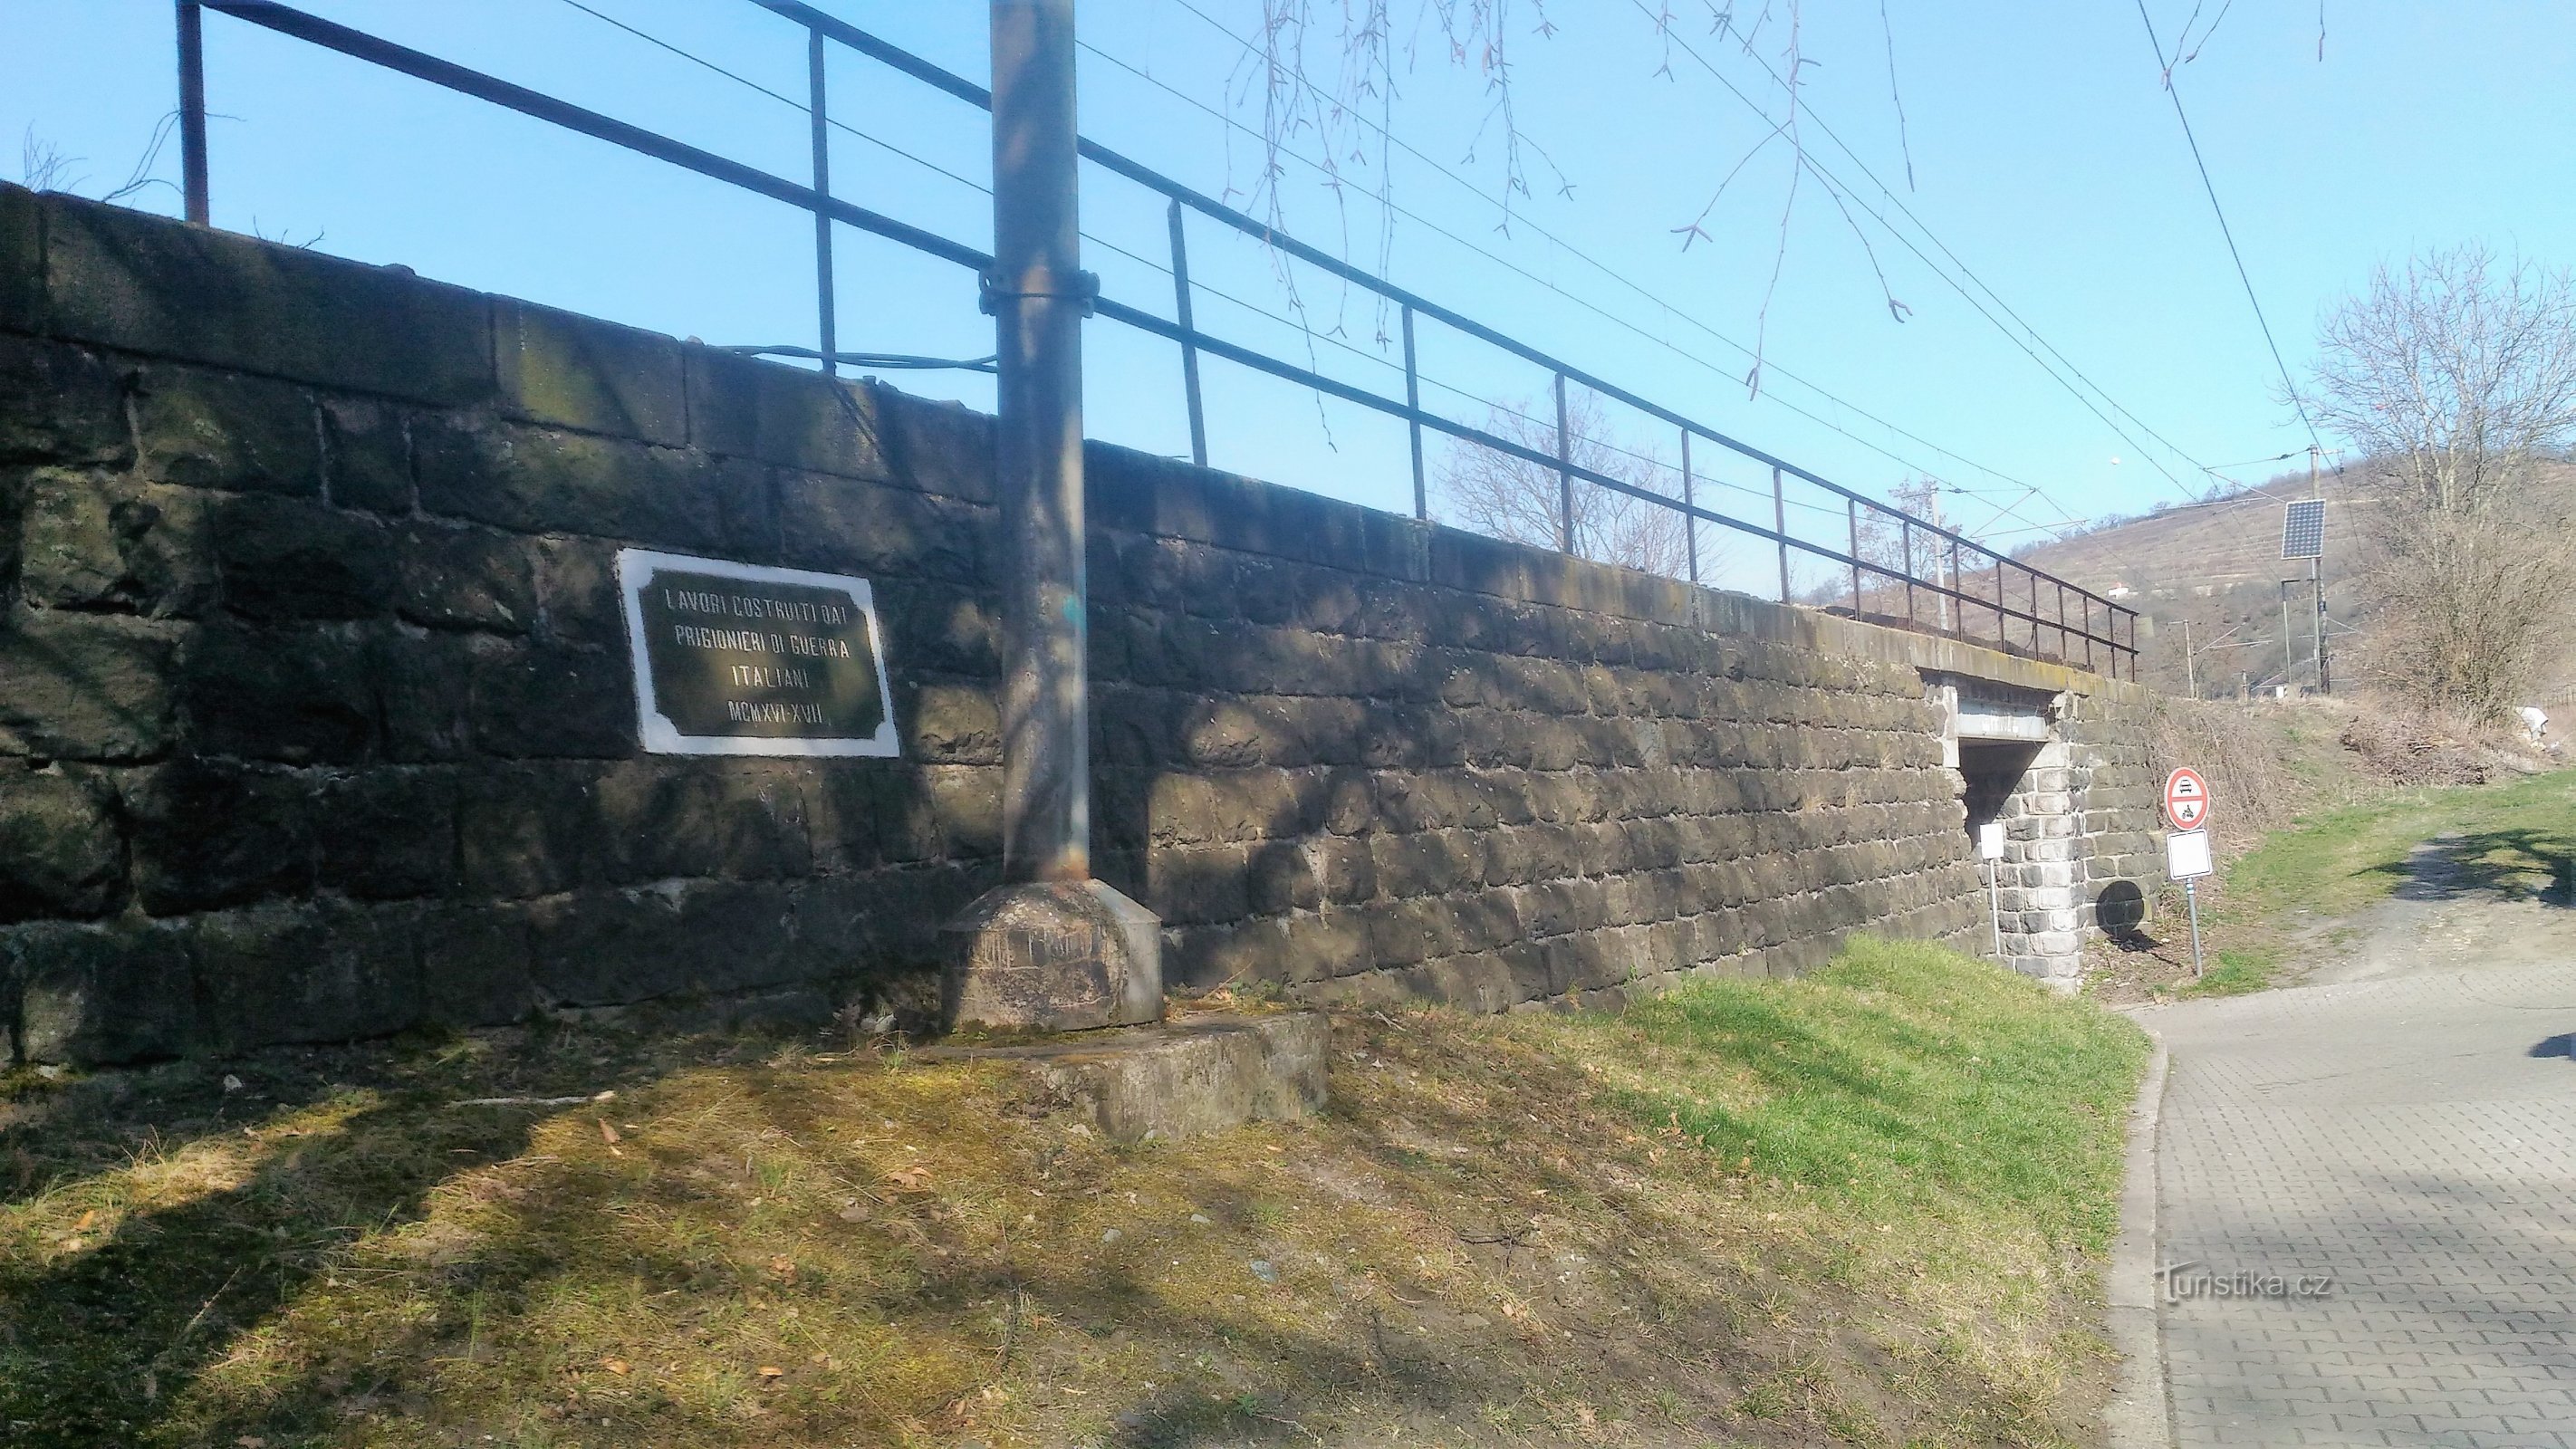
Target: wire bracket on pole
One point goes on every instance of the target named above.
(1084, 287)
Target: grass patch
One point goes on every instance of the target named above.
(2512, 841)
(1863, 1208)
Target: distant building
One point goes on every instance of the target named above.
(2119, 591)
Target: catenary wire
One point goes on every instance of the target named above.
(2174, 94)
(1578, 254)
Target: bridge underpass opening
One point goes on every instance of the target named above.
(2038, 899)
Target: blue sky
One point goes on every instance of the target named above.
(2044, 155)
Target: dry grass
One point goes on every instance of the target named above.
(1755, 1213)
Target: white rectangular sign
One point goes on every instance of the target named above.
(2187, 855)
(1990, 840)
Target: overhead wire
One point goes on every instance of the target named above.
(1833, 181)
(1573, 251)
(1898, 201)
(2174, 94)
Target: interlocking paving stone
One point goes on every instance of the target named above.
(2402, 1136)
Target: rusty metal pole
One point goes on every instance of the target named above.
(1038, 294)
(1181, 313)
(192, 112)
(1050, 948)
(826, 329)
(1413, 416)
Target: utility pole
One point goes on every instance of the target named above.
(1051, 948)
(2317, 581)
(2190, 675)
(1932, 505)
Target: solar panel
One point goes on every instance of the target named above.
(2303, 529)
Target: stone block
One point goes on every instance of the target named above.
(968, 803)
(578, 372)
(1185, 1078)
(83, 687)
(525, 830)
(424, 693)
(95, 541)
(366, 454)
(22, 260)
(553, 702)
(600, 948)
(937, 447)
(65, 405)
(201, 429)
(540, 480)
(659, 819)
(387, 834)
(476, 965)
(152, 285)
(289, 559)
(845, 525)
(60, 853)
(101, 995)
(1429, 863)
(1189, 887)
(867, 814)
(296, 695)
(305, 971)
(1052, 957)
(451, 576)
(206, 834)
(955, 723)
(790, 416)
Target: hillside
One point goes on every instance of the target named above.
(2218, 567)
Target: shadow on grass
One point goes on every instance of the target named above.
(2511, 863)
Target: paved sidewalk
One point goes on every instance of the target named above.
(2413, 1138)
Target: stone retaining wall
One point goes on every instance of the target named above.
(315, 717)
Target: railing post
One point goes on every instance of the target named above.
(2065, 641)
(1851, 513)
(1905, 530)
(1190, 356)
(1957, 607)
(1413, 416)
(192, 112)
(1564, 475)
(1780, 526)
(2034, 609)
(827, 332)
(2001, 638)
(1690, 512)
(2088, 631)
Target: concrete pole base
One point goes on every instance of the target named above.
(1052, 956)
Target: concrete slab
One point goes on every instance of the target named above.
(1180, 1078)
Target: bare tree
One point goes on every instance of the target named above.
(2455, 377)
(1504, 496)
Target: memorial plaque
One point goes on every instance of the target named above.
(744, 659)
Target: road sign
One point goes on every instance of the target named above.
(2186, 799)
(2187, 855)
(2303, 529)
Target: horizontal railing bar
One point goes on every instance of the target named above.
(966, 90)
(1290, 372)
(359, 45)
(362, 46)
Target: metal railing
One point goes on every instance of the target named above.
(1886, 550)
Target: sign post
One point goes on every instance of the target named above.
(1990, 849)
(2187, 850)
